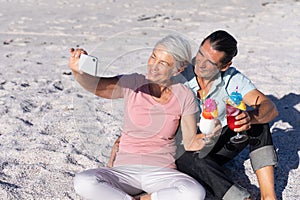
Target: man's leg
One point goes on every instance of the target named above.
(263, 157)
(209, 171)
(265, 177)
(205, 171)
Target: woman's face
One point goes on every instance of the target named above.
(161, 66)
(208, 61)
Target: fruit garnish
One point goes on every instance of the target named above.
(210, 105)
(242, 106)
(207, 115)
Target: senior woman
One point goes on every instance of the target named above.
(154, 106)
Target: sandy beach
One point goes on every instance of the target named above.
(51, 128)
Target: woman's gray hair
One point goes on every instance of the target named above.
(178, 47)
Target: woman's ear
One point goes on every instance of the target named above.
(225, 67)
(180, 69)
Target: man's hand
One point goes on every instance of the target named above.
(243, 119)
(113, 154)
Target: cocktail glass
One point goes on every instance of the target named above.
(231, 113)
(206, 127)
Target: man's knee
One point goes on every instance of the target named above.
(262, 151)
(259, 136)
(264, 156)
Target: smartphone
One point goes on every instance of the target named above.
(88, 64)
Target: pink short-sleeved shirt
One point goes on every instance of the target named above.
(150, 127)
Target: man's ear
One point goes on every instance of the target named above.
(225, 67)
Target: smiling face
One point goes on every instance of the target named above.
(208, 61)
(161, 66)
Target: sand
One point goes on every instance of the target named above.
(50, 128)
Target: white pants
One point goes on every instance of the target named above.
(123, 182)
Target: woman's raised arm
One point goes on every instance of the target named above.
(103, 87)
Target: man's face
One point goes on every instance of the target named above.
(161, 65)
(208, 61)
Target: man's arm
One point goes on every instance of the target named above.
(113, 154)
(264, 109)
